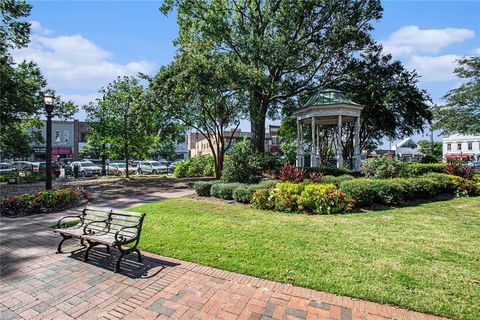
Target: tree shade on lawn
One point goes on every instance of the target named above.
(424, 257)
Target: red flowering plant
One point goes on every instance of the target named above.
(290, 173)
(42, 201)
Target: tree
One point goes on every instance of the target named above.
(280, 48)
(116, 118)
(163, 148)
(92, 149)
(22, 85)
(461, 113)
(197, 91)
(433, 148)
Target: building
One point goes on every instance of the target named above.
(181, 149)
(407, 150)
(461, 147)
(68, 137)
(198, 144)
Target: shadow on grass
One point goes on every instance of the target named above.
(406, 204)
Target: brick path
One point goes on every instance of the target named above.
(36, 283)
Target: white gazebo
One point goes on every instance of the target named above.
(328, 107)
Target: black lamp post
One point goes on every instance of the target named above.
(49, 100)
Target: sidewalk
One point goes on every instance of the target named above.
(36, 283)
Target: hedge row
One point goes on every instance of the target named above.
(367, 192)
(419, 169)
(231, 191)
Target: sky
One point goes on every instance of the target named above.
(81, 46)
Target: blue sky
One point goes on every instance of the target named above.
(83, 45)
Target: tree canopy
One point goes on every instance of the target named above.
(116, 119)
(280, 48)
(197, 91)
(461, 113)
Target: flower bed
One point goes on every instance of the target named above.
(306, 197)
(42, 201)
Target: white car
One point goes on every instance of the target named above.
(151, 167)
(6, 168)
(119, 168)
(85, 168)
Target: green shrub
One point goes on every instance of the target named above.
(199, 166)
(367, 192)
(418, 169)
(203, 187)
(329, 170)
(31, 177)
(384, 167)
(6, 176)
(261, 199)
(224, 190)
(361, 190)
(239, 166)
(324, 199)
(244, 194)
(267, 162)
(336, 180)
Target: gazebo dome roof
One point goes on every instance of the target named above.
(328, 97)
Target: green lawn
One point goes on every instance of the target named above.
(425, 257)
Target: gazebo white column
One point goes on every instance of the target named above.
(339, 143)
(356, 153)
(300, 157)
(313, 155)
(317, 151)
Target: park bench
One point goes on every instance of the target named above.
(112, 228)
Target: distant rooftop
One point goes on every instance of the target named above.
(328, 96)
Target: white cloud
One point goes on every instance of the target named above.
(439, 68)
(411, 39)
(74, 64)
(37, 28)
(476, 51)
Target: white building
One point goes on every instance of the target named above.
(407, 150)
(458, 146)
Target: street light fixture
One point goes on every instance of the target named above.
(49, 101)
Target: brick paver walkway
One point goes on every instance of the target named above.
(36, 283)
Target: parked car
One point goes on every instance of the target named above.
(41, 167)
(151, 167)
(85, 168)
(6, 168)
(22, 165)
(171, 166)
(119, 168)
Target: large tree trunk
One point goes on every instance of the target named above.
(258, 114)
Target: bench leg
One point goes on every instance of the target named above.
(139, 256)
(90, 246)
(82, 242)
(108, 249)
(122, 254)
(59, 248)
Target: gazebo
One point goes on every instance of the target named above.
(328, 107)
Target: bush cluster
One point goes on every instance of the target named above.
(367, 192)
(203, 188)
(43, 201)
(337, 180)
(419, 169)
(225, 190)
(329, 170)
(307, 197)
(461, 170)
(384, 168)
(199, 166)
(244, 194)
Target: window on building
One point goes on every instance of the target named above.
(57, 136)
(459, 146)
(65, 137)
(449, 146)
(470, 146)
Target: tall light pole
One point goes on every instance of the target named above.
(49, 101)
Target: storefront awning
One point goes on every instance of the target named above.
(459, 156)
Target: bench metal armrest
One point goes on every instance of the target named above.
(121, 239)
(63, 225)
(88, 230)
